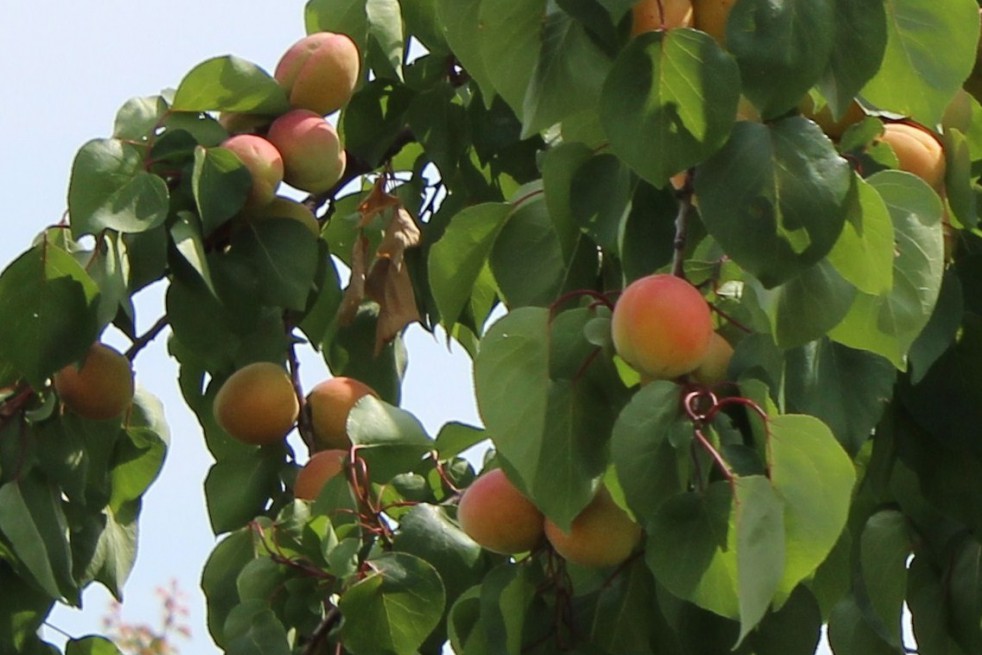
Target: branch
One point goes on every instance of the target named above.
(320, 633)
(143, 340)
(684, 196)
(305, 424)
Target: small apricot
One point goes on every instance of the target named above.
(264, 163)
(496, 515)
(710, 16)
(288, 209)
(713, 367)
(313, 159)
(329, 403)
(918, 151)
(662, 326)
(318, 470)
(646, 16)
(257, 404)
(101, 388)
(832, 127)
(319, 72)
(601, 535)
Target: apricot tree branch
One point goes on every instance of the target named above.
(319, 635)
(684, 196)
(143, 340)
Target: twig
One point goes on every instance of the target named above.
(320, 633)
(143, 340)
(684, 196)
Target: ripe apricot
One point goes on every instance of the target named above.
(918, 151)
(320, 468)
(101, 388)
(319, 72)
(710, 16)
(662, 326)
(833, 128)
(496, 515)
(646, 16)
(329, 403)
(313, 158)
(257, 404)
(264, 163)
(713, 367)
(601, 535)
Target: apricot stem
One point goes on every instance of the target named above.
(715, 454)
(684, 196)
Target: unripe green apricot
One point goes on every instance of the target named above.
(329, 403)
(318, 470)
(101, 388)
(496, 515)
(313, 159)
(661, 326)
(264, 163)
(257, 404)
(714, 366)
(601, 535)
(320, 72)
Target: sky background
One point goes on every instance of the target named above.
(66, 67)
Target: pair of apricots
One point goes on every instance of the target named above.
(319, 74)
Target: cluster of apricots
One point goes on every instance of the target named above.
(258, 405)
(100, 387)
(499, 517)
(706, 15)
(301, 148)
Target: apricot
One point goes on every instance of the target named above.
(264, 163)
(101, 388)
(240, 123)
(601, 535)
(288, 209)
(833, 128)
(320, 468)
(918, 151)
(329, 403)
(496, 515)
(710, 16)
(313, 158)
(714, 366)
(319, 72)
(646, 16)
(662, 326)
(257, 404)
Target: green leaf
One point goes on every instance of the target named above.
(109, 189)
(849, 634)
(237, 488)
(392, 610)
(33, 523)
(846, 389)
(281, 257)
(138, 117)
(782, 48)
(930, 50)
(859, 41)
(669, 102)
(454, 438)
(884, 547)
(462, 28)
(888, 324)
(624, 611)
(220, 183)
(23, 608)
(794, 629)
(252, 628)
(218, 578)
(509, 39)
(559, 165)
(964, 578)
(385, 29)
(390, 439)
(105, 547)
(863, 254)
(929, 608)
(230, 84)
(814, 477)
(600, 199)
(91, 646)
(760, 553)
(49, 306)
(190, 243)
(456, 259)
(511, 609)
(137, 462)
(775, 197)
(568, 77)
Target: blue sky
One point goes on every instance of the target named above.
(66, 68)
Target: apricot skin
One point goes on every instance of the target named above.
(496, 515)
(264, 163)
(661, 326)
(257, 404)
(313, 159)
(833, 128)
(101, 389)
(712, 369)
(646, 15)
(288, 209)
(918, 152)
(710, 16)
(601, 535)
(320, 72)
(318, 470)
(329, 403)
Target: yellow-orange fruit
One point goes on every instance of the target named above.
(257, 404)
(320, 468)
(329, 403)
(713, 367)
(264, 163)
(710, 16)
(918, 151)
(313, 158)
(319, 72)
(601, 535)
(662, 326)
(288, 209)
(833, 128)
(496, 515)
(102, 388)
(646, 16)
